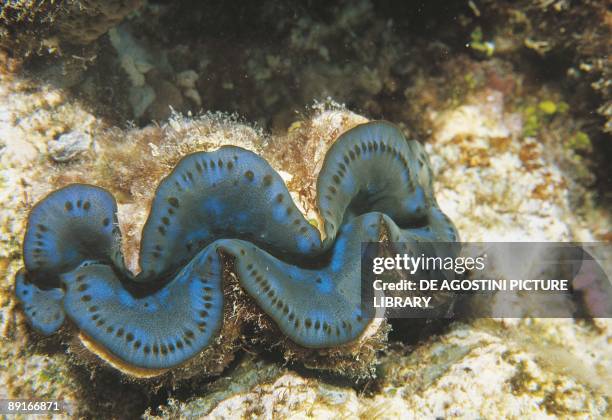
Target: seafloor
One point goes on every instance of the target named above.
(511, 99)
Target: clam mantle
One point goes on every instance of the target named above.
(225, 207)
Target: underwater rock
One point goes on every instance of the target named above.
(488, 371)
(187, 80)
(151, 94)
(140, 97)
(135, 59)
(167, 98)
(69, 145)
(28, 27)
(161, 318)
(468, 142)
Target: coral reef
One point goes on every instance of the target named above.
(511, 99)
(296, 54)
(572, 36)
(568, 45)
(73, 240)
(130, 163)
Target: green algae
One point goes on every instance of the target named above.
(580, 141)
(537, 116)
(478, 44)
